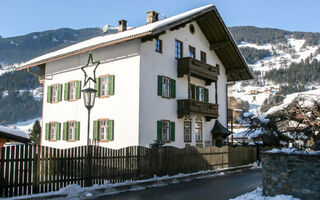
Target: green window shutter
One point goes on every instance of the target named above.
(95, 130)
(110, 130)
(97, 87)
(159, 130)
(111, 85)
(65, 130)
(172, 131)
(58, 131)
(78, 91)
(159, 85)
(49, 94)
(66, 91)
(77, 131)
(206, 95)
(173, 88)
(197, 93)
(47, 131)
(59, 92)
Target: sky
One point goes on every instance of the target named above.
(19, 17)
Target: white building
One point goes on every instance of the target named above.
(143, 80)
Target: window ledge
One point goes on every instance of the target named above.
(104, 141)
(71, 140)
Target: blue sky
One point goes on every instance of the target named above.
(18, 17)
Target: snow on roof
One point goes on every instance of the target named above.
(292, 150)
(145, 29)
(310, 96)
(12, 131)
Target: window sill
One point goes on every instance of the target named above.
(187, 141)
(106, 96)
(104, 141)
(71, 100)
(52, 140)
(71, 141)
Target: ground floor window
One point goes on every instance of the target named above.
(103, 130)
(198, 131)
(187, 131)
(165, 131)
(71, 130)
(53, 131)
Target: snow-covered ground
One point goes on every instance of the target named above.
(26, 125)
(257, 195)
(37, 93)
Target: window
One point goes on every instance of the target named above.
(54, 94)
(71, 130)
(73, 90)
(103, 130)
(192, 52)
(165, 131)
(53, 131)
(166, 87)
(192, 92)
(201, 94)
(158, 46)
(178, 49)
(203, 57)
(198, 127)
(105, 85)
(187, 131)
(191, 29)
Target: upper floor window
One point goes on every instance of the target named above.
(201, 93)
(158, 46)
(192, 52)
(105, 85)
(166, 87)
(203, 57)
(198, 93)
(72, 90)
(54, 93)
(187, 131)
(198, 129)
(103, 130)
(165, 131)
(192, 91)
(178, 49)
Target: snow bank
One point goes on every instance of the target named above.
(13, 131)
(292, 150)
(257, 195)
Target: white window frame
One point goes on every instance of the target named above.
(166, 87)
(73, 90)
(201, 94)
(54, 93)
(187, 131)
(71, 133)
(198, 131)
(165, 130)
(103, 129)
(104, 86)
(53, 131)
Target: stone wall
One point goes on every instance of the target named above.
(292, 174)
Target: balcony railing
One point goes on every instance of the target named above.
(197, 69)
(194, 107)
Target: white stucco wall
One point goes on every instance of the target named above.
(154, 107)
(121, 60)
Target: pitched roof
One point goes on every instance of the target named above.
(219, 129)
(207, 18)
(14, 134)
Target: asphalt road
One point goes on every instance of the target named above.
(215, 188)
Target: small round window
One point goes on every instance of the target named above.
(191, 28)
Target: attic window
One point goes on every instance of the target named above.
(191, 29)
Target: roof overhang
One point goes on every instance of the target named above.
(9, 136)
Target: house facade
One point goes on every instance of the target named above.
(166, 80)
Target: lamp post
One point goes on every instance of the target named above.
(89, 95)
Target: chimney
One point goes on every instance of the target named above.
(122, 25)
(152, 16)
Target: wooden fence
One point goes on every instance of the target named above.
(27, 169)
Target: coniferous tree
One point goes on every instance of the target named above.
(35, 133)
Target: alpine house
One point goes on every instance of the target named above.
(166, 81)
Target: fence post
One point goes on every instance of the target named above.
(88, 167)
(36, 169)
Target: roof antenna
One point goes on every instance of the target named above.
(164, 16)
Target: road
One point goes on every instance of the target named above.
(215, 188)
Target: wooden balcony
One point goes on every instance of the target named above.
(197, 69)
(194, 107)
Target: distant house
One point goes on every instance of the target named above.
(253, 92)
(12, 135)
(165, 80)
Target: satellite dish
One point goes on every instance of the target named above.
(105, 28)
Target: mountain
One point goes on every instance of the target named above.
(271, 54)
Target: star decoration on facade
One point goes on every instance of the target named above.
(87, 69)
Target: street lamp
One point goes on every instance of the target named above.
(89, 95)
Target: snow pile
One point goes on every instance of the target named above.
(13, 131)
(308, 96)
(292, 150)
(257, 195)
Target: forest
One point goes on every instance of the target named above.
(252, 55)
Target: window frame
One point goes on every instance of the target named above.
(201, 133)
(106, 128)
(169, 131)
(184, 131)
(176, 49)
(203, 56)
(55, 127)
(57, 93)
(193, 90)
(75, 90)
(192, 50)
(158, 45)
(202, 93)
(169, 86)
(74, 131)
(100, 86)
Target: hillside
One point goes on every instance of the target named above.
(271, 54)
